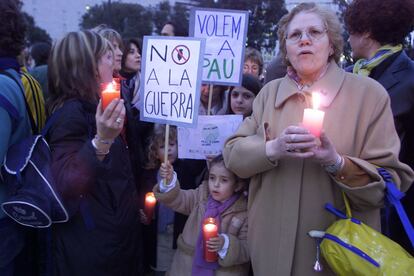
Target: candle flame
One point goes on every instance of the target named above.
(210, 227)
(109, 87)
(316, 100)
(150, 197)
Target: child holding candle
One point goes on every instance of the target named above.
(158, 232)
(221, 198)
(161, 233)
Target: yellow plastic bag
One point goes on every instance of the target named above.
(352, 248)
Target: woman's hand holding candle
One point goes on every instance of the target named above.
(326, 154)
(109, 125)
(293, 142)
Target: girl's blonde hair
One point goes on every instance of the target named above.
(157, 139)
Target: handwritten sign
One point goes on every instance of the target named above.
(209, 136)
(171, 79)
(225, 33)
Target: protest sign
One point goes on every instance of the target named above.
(209, 136)
(225, 33)
(171, 79)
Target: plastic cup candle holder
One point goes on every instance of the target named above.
(210, 230)
(149, 206)
(110, 92)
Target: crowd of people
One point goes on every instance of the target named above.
(266, 190)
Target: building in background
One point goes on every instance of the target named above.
(58, 17)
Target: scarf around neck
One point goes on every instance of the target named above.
(214, 209)
(365, 66)
(293, 75)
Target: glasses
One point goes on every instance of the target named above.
(313, 33)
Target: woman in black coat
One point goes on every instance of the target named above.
(377, 32)
(91, 164)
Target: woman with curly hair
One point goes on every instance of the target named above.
(377, 30)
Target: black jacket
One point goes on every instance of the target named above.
(103, 235)
(396, 74)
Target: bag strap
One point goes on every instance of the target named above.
(347, 206)
(32, 122)
(393, 196)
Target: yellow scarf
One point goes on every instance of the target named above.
(365, 66)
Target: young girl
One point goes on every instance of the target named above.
(161, 234)
(241, 97)
(221, 198)
(158, 234)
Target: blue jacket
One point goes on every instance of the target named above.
(9, 133)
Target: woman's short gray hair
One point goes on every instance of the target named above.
(333, 27)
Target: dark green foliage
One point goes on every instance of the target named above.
(130, 20)
(34, 33)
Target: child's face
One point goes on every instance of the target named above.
(172, 152)
(241, 101)
(221, 182)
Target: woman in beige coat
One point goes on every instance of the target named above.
(293, 173)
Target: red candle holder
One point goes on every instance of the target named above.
(149, 206)
(111, 92)
(210, 230)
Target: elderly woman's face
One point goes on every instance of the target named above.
(307, 45)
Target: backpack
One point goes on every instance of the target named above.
(32, 197)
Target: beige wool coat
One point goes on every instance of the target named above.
(233, 223)
(286, 198)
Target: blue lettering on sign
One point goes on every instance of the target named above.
(153, 76)
(223, 48)
(230, 26)
(184, 77)
(164, 58)
(180, 104)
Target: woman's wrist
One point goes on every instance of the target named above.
(336, 166)
(100, 149)
(105, 141)
(270, 152)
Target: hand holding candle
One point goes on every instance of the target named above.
(150, 202)
(312, 117)
(210, 230)
(110, 93)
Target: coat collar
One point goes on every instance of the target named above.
(328, 86)
(390, 77)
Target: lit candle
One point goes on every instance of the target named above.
(110, 93)
(150, 202)
(312, 117)
(210, 230)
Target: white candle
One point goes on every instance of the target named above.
(312, 117)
